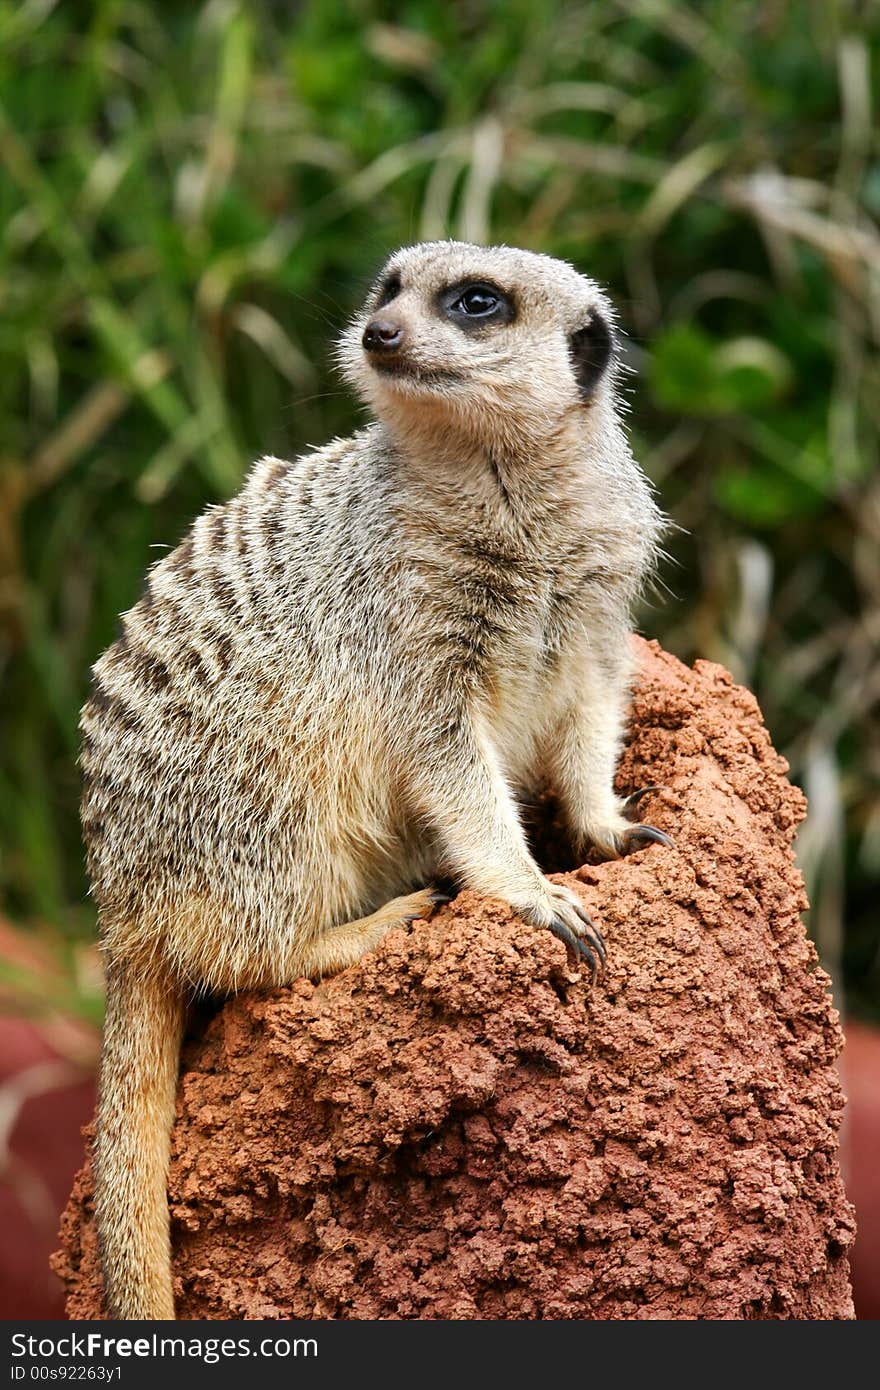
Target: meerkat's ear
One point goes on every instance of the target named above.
(590, 349)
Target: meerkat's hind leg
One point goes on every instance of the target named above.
(338, 947)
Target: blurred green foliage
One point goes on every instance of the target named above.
(192, 199)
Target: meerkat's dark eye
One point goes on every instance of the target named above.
(475, 303)
(389, 289)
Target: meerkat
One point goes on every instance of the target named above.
(338, 685)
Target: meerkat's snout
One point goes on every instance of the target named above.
(383, 336)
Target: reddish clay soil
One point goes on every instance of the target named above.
(462, 1127)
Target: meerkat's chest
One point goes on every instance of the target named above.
(528, 661)
(509, 618)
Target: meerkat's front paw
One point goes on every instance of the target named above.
(637, 835)
(624, 836)
(563, 914)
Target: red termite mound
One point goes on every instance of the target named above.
(462, 1127)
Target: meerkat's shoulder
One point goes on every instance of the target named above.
(272, 489)
(269, 472)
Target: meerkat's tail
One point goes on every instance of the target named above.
(139, 1064)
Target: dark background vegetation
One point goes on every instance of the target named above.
(193, 199)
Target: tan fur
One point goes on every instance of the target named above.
(333, 689)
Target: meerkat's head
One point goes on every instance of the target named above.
(491, 343)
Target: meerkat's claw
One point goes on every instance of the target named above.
(576, 944)
(597, 943)
(422, 916)
(568, 911)
(632, 801)
(641, 835)
(438, 898)
(592, 934)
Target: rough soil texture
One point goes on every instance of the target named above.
(462, 1127)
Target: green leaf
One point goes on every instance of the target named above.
(692, 373)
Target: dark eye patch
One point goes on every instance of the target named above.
(388, 290)
(590, 349)
(474, 304)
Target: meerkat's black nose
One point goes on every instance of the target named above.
(381, 335)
